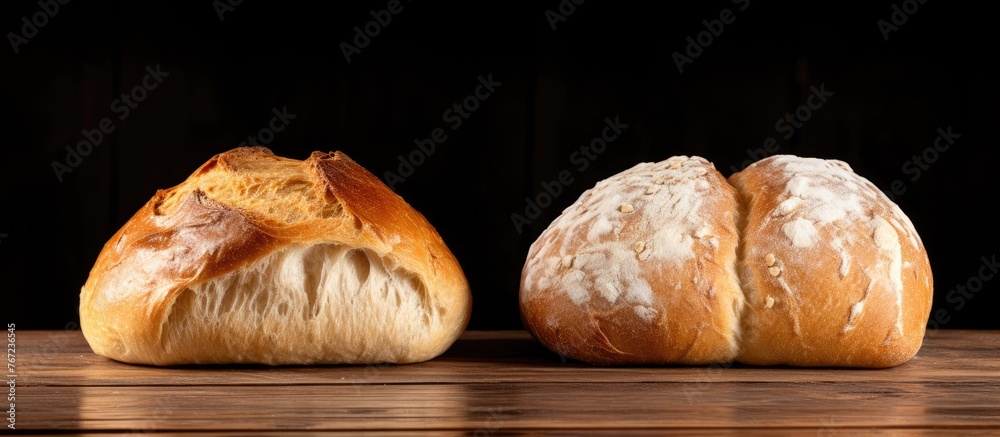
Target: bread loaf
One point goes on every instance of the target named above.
(795, 261)
(261, 259)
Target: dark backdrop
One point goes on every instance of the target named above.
(224, 78)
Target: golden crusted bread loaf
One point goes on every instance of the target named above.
(257, 258)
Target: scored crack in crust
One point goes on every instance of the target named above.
(792, 261)
(257, 258)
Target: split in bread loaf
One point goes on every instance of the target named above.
(793, 260)
(257, 258)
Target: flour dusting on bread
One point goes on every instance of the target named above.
(649, 213)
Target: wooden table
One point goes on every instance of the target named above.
(493, 383)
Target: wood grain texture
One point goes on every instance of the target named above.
(504, 382)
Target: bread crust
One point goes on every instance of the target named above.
(848, 279)
(234, 217)
(812, 266)
(641, 269)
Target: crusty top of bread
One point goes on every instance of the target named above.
(239, 207)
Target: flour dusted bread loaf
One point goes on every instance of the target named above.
(261, 259)
(641, 269)
(794, 260)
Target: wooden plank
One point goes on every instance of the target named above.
(967, 431)
(495, 383)
(492, 407)
(54, 358)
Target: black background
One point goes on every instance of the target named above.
(606, 59)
